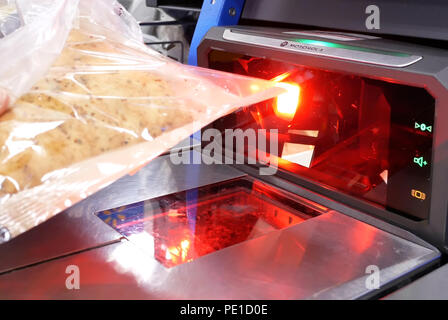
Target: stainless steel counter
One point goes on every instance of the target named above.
(433, 286)
(325, 257)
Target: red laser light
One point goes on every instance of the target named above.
(287, 103)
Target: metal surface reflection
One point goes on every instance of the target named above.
(319, 258)
(316, 259)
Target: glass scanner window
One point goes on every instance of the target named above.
(370, 138)
(190, 224)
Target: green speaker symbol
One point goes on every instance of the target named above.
(420, 161)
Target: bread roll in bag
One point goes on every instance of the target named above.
(107, 101)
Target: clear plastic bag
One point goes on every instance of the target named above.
(29, 51)
(105, 107)
(10, 19)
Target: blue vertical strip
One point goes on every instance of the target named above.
(214, 13)
(192, 199)
(193, 172)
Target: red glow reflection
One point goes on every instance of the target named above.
(182, 228)
(363, 237)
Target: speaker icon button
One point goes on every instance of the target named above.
(420, 161)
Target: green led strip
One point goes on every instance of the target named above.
(343, 46)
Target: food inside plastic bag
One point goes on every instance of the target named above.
(80, 110)
(107, 106)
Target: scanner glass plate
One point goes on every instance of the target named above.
(181, 227)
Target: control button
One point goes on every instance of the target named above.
(423, 127)
(418, 194)
(420, 161)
